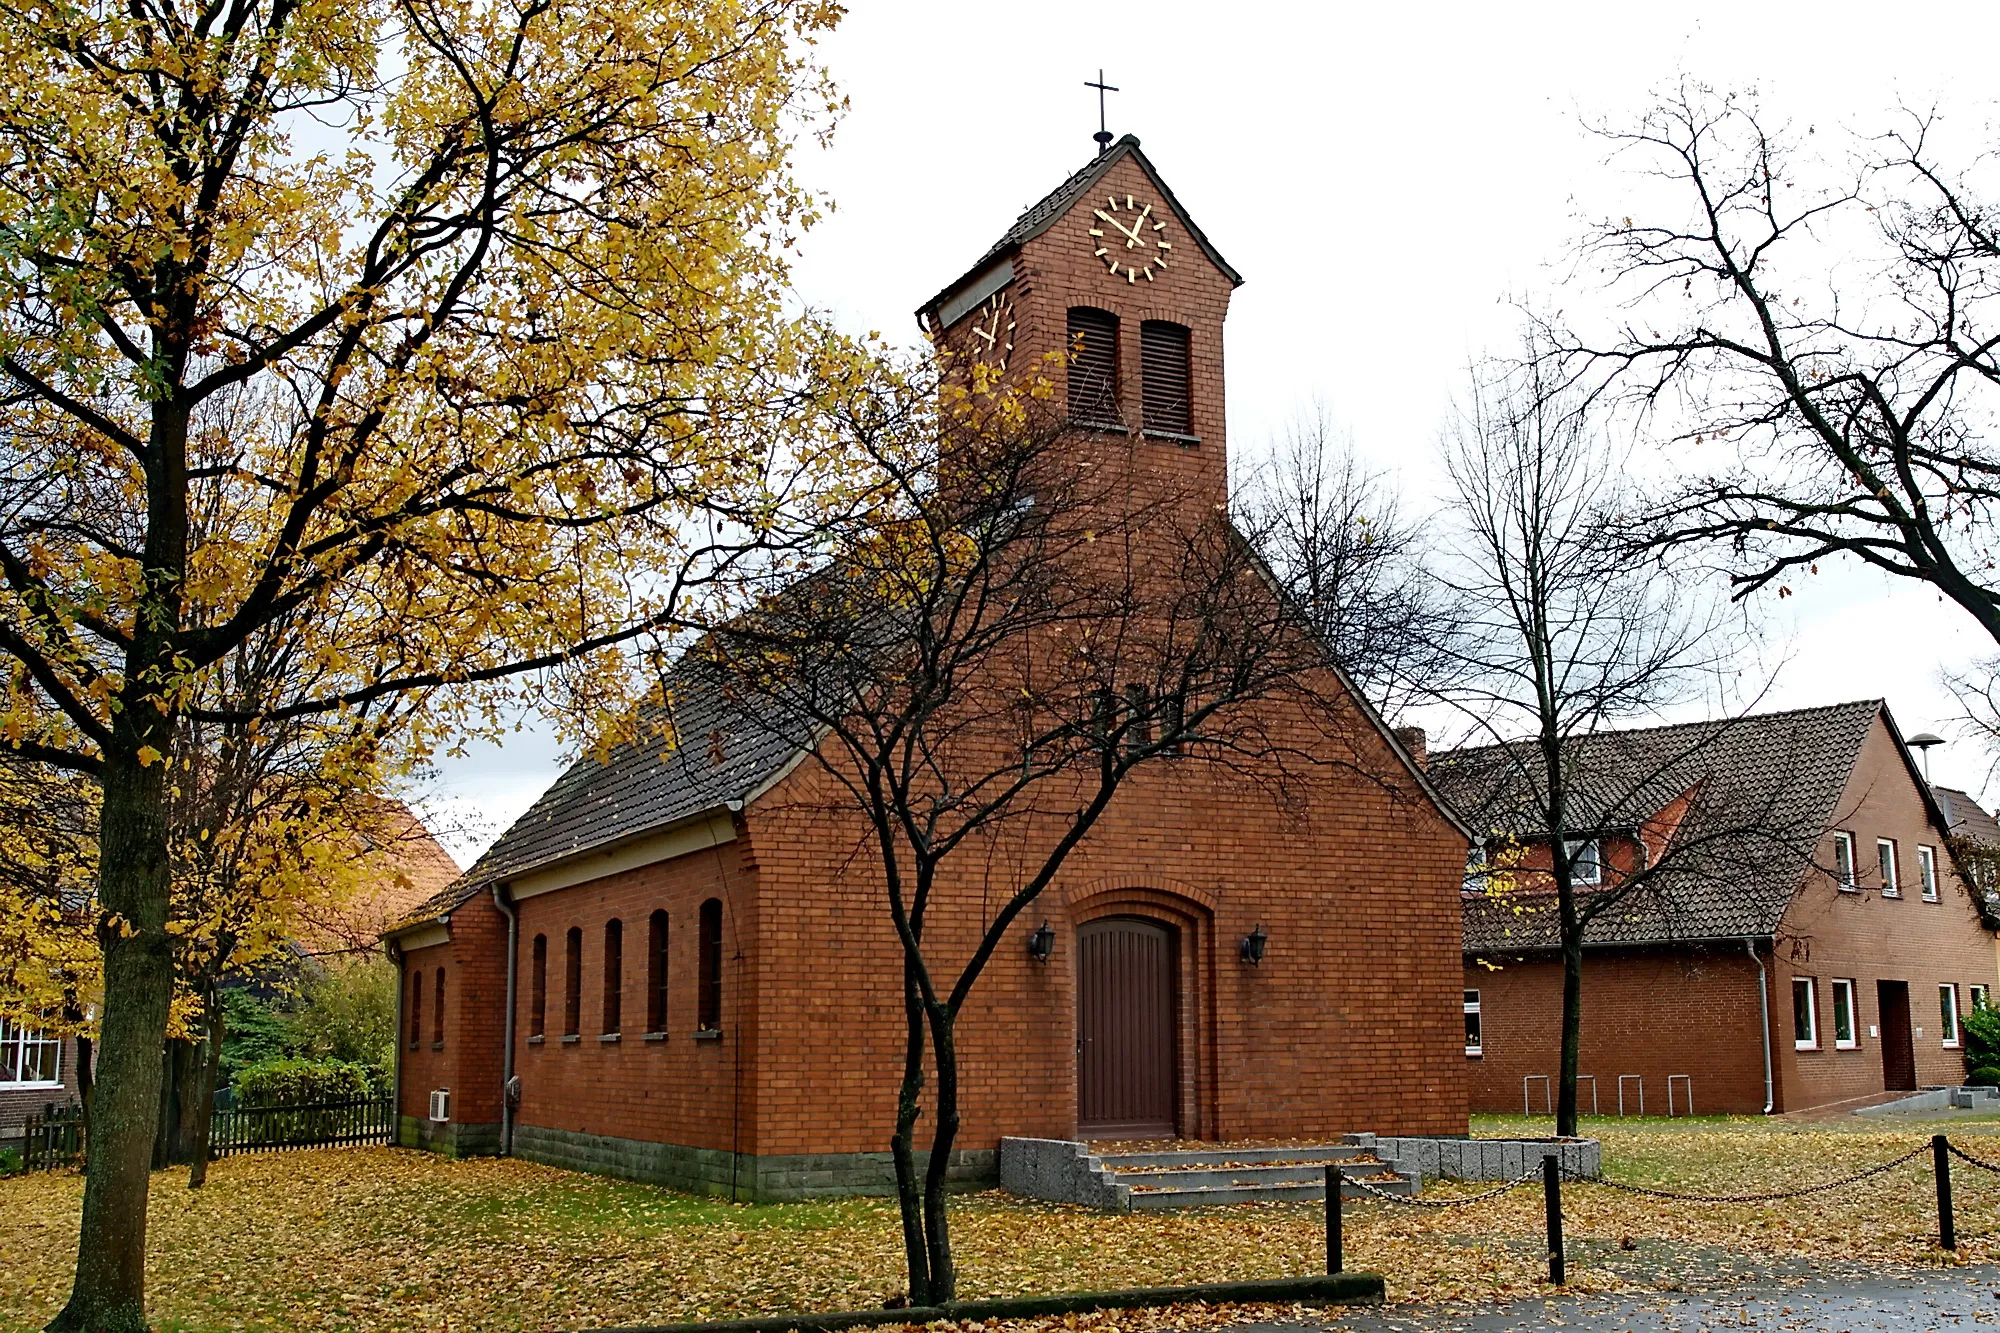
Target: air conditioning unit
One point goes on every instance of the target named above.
(440, 1104)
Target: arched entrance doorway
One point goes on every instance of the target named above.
(1126, 1054)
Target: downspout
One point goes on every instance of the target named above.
(1763, 1009)
(394, 948)
(503, 900)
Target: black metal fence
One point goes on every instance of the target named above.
(317, 1125)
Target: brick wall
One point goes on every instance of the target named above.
(1650, 1012)
(664, 1088)
(468, 1058)
(1350, 1023)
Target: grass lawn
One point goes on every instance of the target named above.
(379, 1239)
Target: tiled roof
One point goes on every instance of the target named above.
(1762, 789)
(697, 751)
(1965, 817)
(1044, 213)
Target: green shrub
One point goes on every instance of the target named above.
(347, 1011)
(11, 1163)
(1986, 1076)
(254, 1032)
(294, 1082)
(1982, 1037)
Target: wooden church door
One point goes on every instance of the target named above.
(1125, 1054)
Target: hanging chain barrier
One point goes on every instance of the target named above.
(1412, 1201)
(1980, 1162)
(1766, 1196)
(1552, 1175)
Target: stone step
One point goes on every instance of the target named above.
(1322, 1153)
(1303, 1191)
(1182, 1177)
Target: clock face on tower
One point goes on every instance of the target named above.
(992, 339)
(1129, 238)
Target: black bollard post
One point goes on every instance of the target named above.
(1552, 1197)
(1941, 1167)
(1333, 1210)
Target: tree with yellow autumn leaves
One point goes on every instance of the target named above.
(448, 332)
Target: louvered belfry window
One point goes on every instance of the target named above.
(1093, 367)
(1163, 364)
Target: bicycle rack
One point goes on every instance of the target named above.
(1688, 1081)
(1548, 1096)
(1641, 1081)
(1593, 1091)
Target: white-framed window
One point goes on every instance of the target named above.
(29, 1059)
(1885, 861)
(1978, 996)
(1927, 872)
(1843, 1016)
(1805, 1014)
(1586, 864)
(1473, 1042)
(1475, 870)
(1948, 1012)
(1843, 861)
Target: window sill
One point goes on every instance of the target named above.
(37, 1086)
(1474, 1055)
(437, 1045)
(1892, 893)
(570, 1039)
(537, 1039)
(608, 1038)
(654, 1036)
(1950, 1045)
(1848, 888)
(1805, 1045)
(1847, 1046)
(1102, 427)
(1932, 899)
(1172, 436)
(708, 1034)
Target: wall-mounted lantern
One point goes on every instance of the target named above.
(1042, 943)
(1253, 945)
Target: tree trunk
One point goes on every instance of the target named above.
(909, 1197)
(204, 1110)
(86, 1083)
(937, 1226)
(110, 1291)
(179, 1074)
(1572, 1023)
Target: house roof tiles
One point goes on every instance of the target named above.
(1761, 791)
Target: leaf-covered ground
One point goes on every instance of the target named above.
(379, 1239)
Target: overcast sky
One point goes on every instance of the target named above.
(1389, 180)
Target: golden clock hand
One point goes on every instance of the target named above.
(1131, 238)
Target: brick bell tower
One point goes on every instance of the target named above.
(1110, 267)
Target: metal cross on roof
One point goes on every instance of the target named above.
(1103, 135)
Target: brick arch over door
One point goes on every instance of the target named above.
(1187, 912)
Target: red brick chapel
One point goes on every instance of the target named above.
(705, 989)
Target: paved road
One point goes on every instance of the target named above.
(1952, 1300)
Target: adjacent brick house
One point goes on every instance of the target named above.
(1848, 923)
(37, 1070)
(705, 985)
